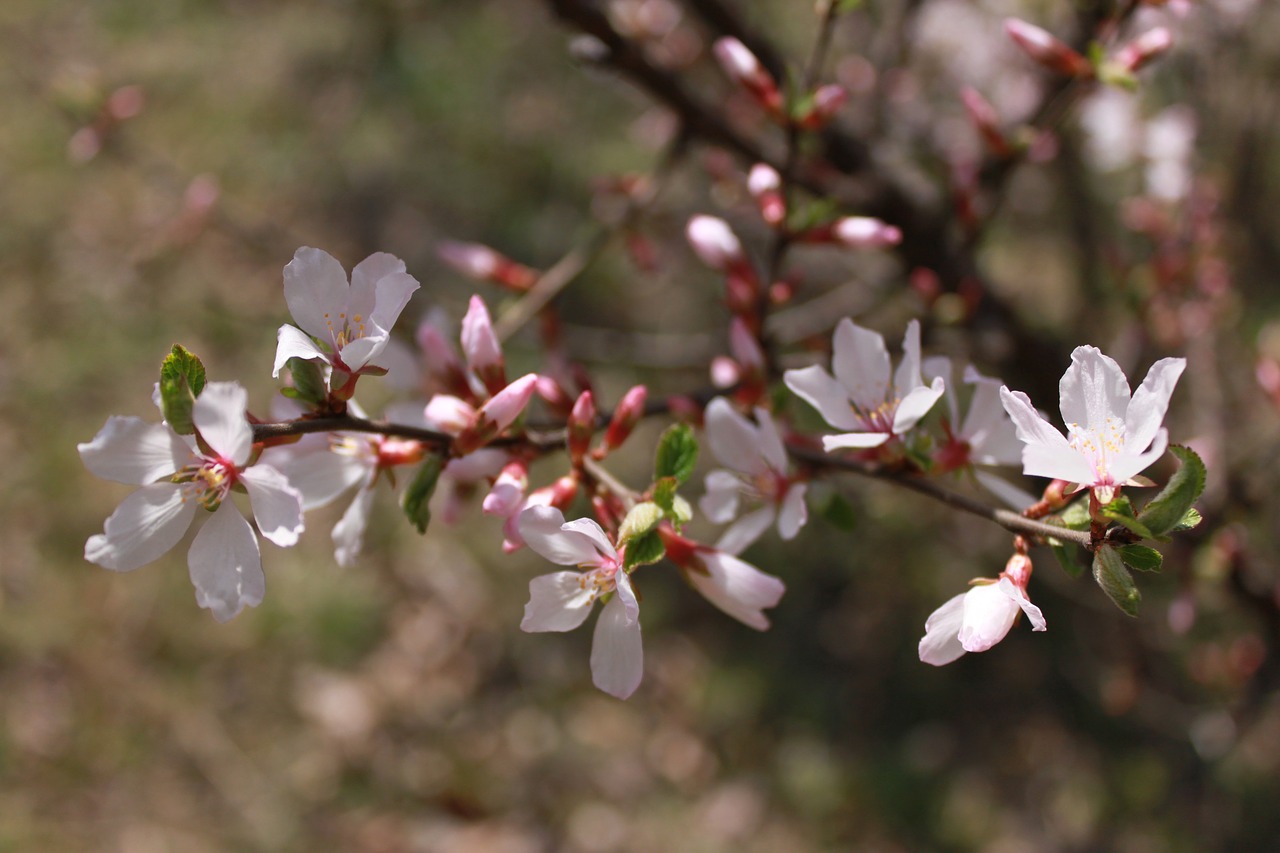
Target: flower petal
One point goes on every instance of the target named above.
(590, 529)
(130, 450)
(940, 644)
(733, 439)
(277, 505)
(916, 405)
(292, 342)
(816, 387)
(146, 524)
(743, 533)
(771, 446)
(987, 427)
(363, 296)
(225, 566)
(348, 533)
(737, 587)
(794, 513)
(557, 602)
(218, 414)
(720, 501)
(316, 290)
(364, 349)
(323, 475)
(907, 376)
(617, 653)
(541, 529)
(393, 295)
(857, 440)
(1015, 592)
(479, 343)
(1125, 465)
(860, 363)
(989, 611)
(1150, 401)
(1093, 389)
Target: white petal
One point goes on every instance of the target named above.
(1011, 495)
(816, 387)
(940, 366)
(988, 429)
(557, 602)
(989, 612)
(146, 524)
(541, 529)
(218, 414)
(1125, 465)
(590, 529)
(617, 654)
(916, 405)
(941, 642)
(743, 533)
(323, 475)
(1150, 401)
(720, 502)
(856, 440)
(348, 533)
(1060, 463)
(393, 295)
(292, 342)
(277, 506)
(363, 298)
(225, 566)
(794, 513)
(737, 587)
(771, 446)
(1093, 389)
(315, 285)
(364, 349)
(1030, 425)
(907, 376)
(733, 439)
(1010, 589)
(860, 363)
(130, 450)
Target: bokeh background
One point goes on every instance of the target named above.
(161, 161)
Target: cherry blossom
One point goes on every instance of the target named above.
(731, 584)
(561, 601)
(179, 476)
(976, 620)
(352, 320)
(757, 467)
(860, 398)
(1111, 437)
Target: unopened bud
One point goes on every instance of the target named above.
(481, 348)
(628, 413)
(581, 426)
(1046, 49)
(1143, 49)
(765, 185)
(865, 232)
(508, 490)
(479, 262)
(1018, 570)
(984, 118)
(449, 414)
(743, 68)
(827, 100)
(497, 414)
(714, 243)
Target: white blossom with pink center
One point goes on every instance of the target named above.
(1111, 436)
(756, 468)
(860, 397)
(976, 620)
(561, 601)
(177, 479)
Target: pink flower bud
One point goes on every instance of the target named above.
(827, 100)
(745, 347)
(725, 372)
(507, 404)
(628, 413)
(553, 394)
(479, 262)
(481, 348)
(714, 243)
(1018, 570)
(446, 413)
(765, 185)
(984, 118)
(581, 426)
(508, 490)
(864, 232)
(1046, 49)
(742, 67)
(1144, 48)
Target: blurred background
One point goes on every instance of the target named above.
(161, 161)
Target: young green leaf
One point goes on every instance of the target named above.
(1076, 516)
(308, 382)
(1066, 557)
(640, 521)
(418, 495)
(664, 493)
(643, 550)
(1141, 558)
(182, 378)
(677, 453)
(1110, 573)
(1167, 509)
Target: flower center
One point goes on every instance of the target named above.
(1099, 446)
(878, 418)
(207, 480)
(345, 330)
(600, 581)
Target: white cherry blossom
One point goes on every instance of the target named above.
(860, 398)
(561, 601)
(976, 620)
(1111, 436)
(177, 479)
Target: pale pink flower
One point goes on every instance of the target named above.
(758, 469)
(731, 584)
(561, 601)
(176, 480)
(352, 320)
(1111, 437)
(714, 243)
(860, 398)
(976, 620)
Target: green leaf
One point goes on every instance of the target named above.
(677, 453)
(1110, 573)
(1141, 558)
(1168, 509)
(640, 521)
(182, 379)
(1076, 516)
(418, 495)
(308, 382)
(1067, 557)
(644, 550)
(1126, 520)
(664, 493)
(680, 512)
(1190, 520)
